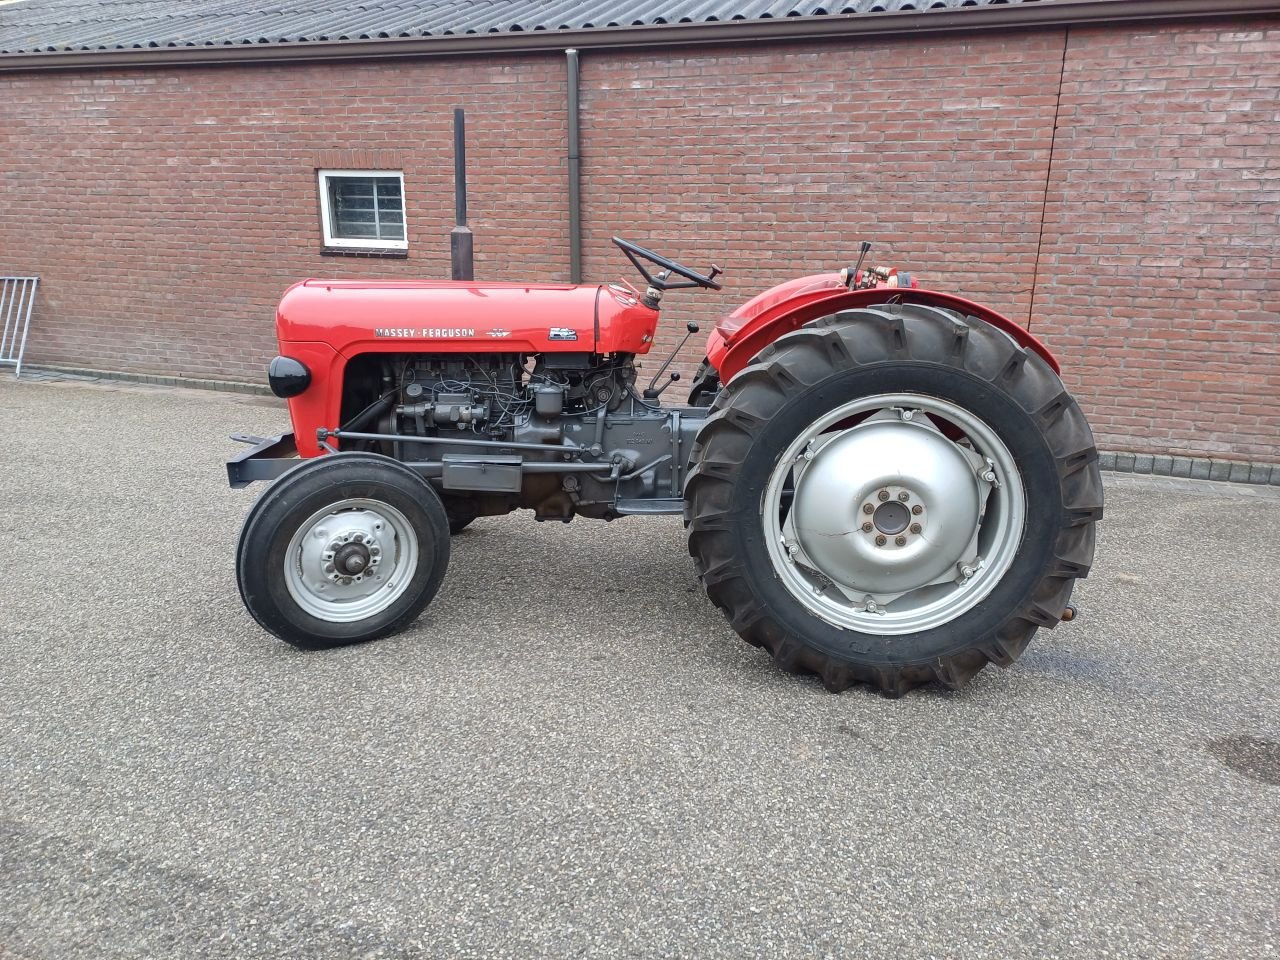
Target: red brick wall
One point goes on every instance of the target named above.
(1160, 268)
(776, 160)
(166, 210)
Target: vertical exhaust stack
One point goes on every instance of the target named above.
(461, 254)
(575, 170)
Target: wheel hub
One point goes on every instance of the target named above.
(350, 561)
(351, 555)
(854, 502)
(351, 558)
(891, 518)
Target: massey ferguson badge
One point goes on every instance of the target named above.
(430, 333)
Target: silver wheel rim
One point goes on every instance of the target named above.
(351, 560)
(891, 525)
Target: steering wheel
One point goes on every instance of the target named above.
(637, 253)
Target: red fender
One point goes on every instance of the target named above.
(744, 333)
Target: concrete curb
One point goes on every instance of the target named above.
(77, 373)
(1194, 468)
(1158, 465)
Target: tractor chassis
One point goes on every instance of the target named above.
(468, 466)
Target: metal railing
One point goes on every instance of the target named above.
(17, 297)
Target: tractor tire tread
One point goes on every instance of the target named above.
(892, 333)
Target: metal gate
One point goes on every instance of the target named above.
(17, 297)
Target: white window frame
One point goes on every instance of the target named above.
(326, 221)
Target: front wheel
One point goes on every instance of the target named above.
(894, 496)
(342, 549)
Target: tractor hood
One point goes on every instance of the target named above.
(351, 315)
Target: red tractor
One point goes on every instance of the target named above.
(880, 483)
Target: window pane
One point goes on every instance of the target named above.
(390, 209)
(366, 208)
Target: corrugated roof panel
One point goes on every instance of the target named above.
(28, 26)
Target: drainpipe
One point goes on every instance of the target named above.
(575, 171)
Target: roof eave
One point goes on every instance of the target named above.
(970, 19)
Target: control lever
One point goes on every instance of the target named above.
(850, 275)
(650, 393)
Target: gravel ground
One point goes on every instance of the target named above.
(571, 754)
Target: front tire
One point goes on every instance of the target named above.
(342, 549)
(894, 496)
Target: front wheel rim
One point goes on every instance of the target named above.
(894, 514)
(351, 560)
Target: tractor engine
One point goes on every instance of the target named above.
(624, 448)
(503, 396)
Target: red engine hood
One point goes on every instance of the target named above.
(352, 315)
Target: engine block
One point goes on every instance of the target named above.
(574, 406)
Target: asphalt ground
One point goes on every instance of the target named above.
(571, 754)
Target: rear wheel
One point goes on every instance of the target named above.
(893, 495)
(342, 549)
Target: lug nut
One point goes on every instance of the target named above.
(880, 541)
(868, 527)
(915, 528)
(904, 496)
(900, 541)
(883, 494)
(868, 508)
(917, 509)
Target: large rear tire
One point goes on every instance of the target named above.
(342, 549)
(894, 496)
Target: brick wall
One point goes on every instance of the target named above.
(776, 160)
(166, 210)
(1160, 269)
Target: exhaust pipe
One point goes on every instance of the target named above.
(461, 253)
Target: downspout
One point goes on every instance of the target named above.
(575, 171)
